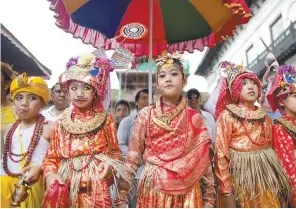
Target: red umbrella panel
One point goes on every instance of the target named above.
(179, 25)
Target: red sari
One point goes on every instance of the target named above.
(284, 133)
(177, 170)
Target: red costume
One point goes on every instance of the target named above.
(284, 129)
(245, 164)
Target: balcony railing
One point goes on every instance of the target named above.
(284, 45)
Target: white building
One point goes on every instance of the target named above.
(274, 21)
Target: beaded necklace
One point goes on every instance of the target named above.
(290, 126)
(245, 125)
(69, 146)
(29, 153)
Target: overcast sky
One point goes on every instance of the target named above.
(33, 24)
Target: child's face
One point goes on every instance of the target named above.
(290, 103)
(81, 94)
(170, 81)
(121, 112)
(27, 105)
(249, 92)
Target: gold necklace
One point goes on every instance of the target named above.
(78, 127)
(165, 120)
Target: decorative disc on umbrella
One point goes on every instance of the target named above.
(133, 31)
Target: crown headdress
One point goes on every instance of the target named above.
(167, 60)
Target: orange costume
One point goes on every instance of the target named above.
(177, 171)
(284, 129)
(80, 141)
(245, 163)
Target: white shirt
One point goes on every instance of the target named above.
(124, 134)
(50, 115)
(38, 154)
(210, 124)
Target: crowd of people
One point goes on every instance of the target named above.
(170, 154)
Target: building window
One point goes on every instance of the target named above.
(251, 55)
(277, 28)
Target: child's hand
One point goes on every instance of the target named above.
(51, 178)
(105, 170)
(32, 173)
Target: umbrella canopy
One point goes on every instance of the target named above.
(182, 25)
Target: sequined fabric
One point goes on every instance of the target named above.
(231, 135)
(284, 145)
(263, 200)
(170, 173)
(149, 198)
(105, 142)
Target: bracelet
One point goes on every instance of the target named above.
(227, 195)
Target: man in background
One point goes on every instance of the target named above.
(124, 134)
(122, 110)
(60, 102)
(193, 101)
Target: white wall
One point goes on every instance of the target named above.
(258, 26)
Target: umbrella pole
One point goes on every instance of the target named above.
(150, 51)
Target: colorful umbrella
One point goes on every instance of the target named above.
(178, 25)
(182, 25)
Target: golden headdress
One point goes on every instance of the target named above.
(93, 70)
(284, 83)
(167, 60)
(229, 87)
(35, 85)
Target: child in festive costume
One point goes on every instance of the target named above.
(172, 141)
(282, 97)
(84, 154)
(26, 143)
(248, 171)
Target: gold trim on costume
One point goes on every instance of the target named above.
(240, 113)
(165, 120)
(79, 127)
(290, 127)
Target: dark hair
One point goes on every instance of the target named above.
(176, 62)
(139, 92)
(53, 87)
(193, 91)
(123, 102)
